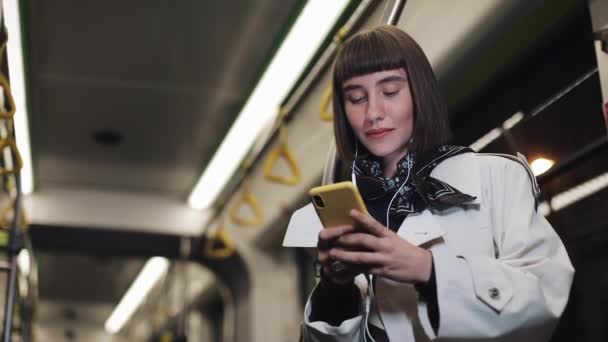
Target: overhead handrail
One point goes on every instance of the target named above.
(219, 237)
(282, 150)
(247, 199)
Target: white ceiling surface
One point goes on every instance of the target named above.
(117, 210)
(168, 75)
(449, 31)
(599, 14)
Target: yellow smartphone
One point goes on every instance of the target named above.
(334, 202)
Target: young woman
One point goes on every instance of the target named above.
(454, 248)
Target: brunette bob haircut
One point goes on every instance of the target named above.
(386, 48)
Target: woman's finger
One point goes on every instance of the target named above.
(359, 241)
(334, 232)
(357, 258)
(368, 223)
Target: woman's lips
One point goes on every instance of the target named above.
(378, 133)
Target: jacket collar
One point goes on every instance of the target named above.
(461, 172)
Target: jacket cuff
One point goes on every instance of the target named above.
(428, 294)
(334, 303)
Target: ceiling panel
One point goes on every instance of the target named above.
(169, 76)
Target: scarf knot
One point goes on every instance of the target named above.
(412, 189)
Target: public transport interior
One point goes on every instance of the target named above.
(153, 152)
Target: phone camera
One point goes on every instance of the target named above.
(318, 201)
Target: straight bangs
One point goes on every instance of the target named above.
(367, 53)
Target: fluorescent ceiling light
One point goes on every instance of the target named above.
(541, 165)
(496, 132)
(486, 139)
(295, 53)
(153, 270)
(579, 192)
(513, 120)
(14, 50)
(23, 261)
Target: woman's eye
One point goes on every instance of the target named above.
(356, 100)
(391, 93)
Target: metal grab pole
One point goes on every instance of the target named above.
(182, 320)
(10, 299)
(15, 243)
(393, 17)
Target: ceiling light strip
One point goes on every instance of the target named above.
(579, 192)
(14, 50)
(486, 139)
(154, 269)
(304, 38)
(512, 121)
(497, 132)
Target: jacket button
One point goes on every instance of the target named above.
(494, 293)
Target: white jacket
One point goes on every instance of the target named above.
(502, 273)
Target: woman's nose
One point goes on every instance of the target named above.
(375, 109)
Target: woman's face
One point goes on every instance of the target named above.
(380, 110)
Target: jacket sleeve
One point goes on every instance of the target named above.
(518, 293)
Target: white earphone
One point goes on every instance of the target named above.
(352, 167)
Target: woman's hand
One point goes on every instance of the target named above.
(327, 241)
(379, 250)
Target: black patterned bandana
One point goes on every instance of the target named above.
(420, 190)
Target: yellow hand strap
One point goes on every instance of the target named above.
(8, 98)
(249, 199)
(219, 237)
(325, 112)
(6, 219)
(167, 336)
(18, 163)
(283, 151)
(3, 238)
